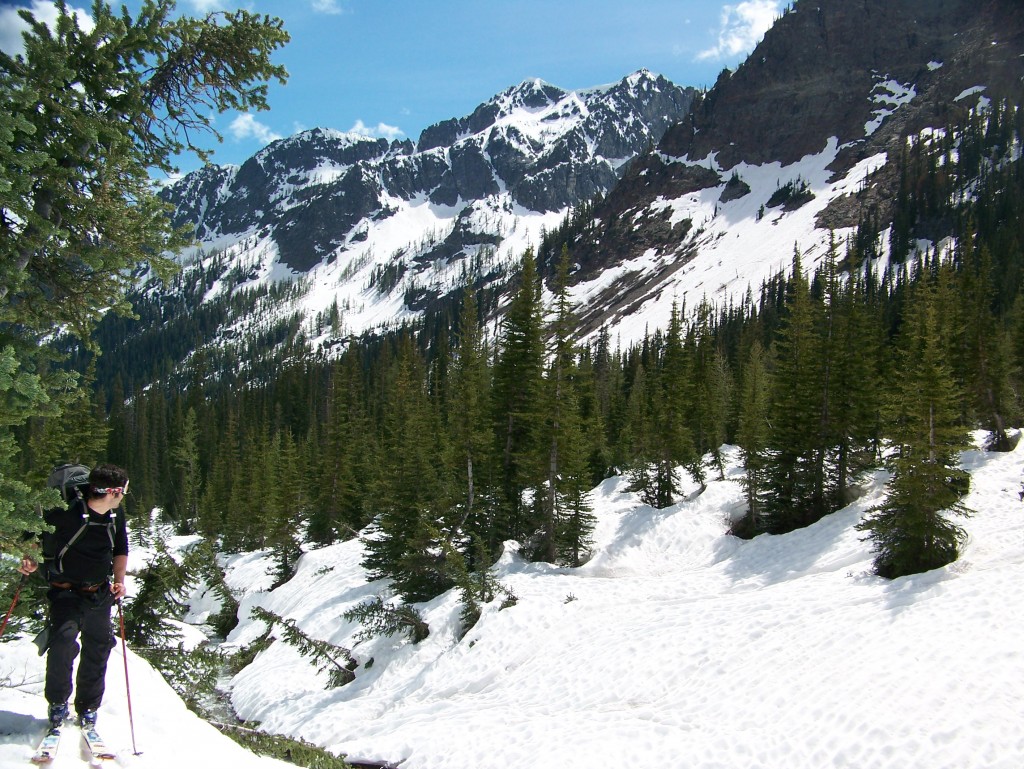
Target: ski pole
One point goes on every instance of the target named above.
(17, 592)
(127, 688)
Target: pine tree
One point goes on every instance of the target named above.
(378, 618)
(854, 397)
(636, 433)
(289, 478)
(412, 501)
(339, 472)
(216, 498)
(753, 436)
(516, 398)
(662, 416)
(336, 661)
(568, 521)
(700, 344)
(718, 385)
(84, 117)
(595, 414)
(793, 494)
(253, 497)
(910, 531)
(987, 355)
(185, 459)
(471, 439)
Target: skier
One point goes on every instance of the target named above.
(86, 576)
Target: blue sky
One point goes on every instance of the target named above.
(393, 67)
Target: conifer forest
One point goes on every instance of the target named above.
(440, 440)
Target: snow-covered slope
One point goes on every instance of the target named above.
(167, 734)
(678, 645)
(675, 645)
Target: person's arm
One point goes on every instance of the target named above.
(120, 567)
(28, 565)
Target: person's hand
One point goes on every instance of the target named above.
(117, 588)
(28, 565)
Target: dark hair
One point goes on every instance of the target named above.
(105, 477)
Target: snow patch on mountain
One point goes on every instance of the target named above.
(891, 94)
(737, 244)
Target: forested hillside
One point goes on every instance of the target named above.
(447, 439)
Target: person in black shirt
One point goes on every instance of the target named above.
(86, 575)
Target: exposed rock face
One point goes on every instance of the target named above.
(867, 72)
(550, 149)
(820, 70)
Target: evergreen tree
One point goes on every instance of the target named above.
(635, 434)
(84, 117)
(568, 521)
(336, 661)
(217, 493)
(910, 531)
(516, 399)
(701, 345)
(794, 494)
(79, 435)
(987, 354)
(411, 498)
(378, 618)
(854, 394)
(185, 459)
(594, 388)
(471, 439)
(287, 496)
(337, 510)
(753, 436)
(669, 441)
(244, 509)
(718, 386)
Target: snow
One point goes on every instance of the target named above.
(736, 248)
(675, 645)
(892, 95)
(167, 734)
(969, 92)
(733, 247)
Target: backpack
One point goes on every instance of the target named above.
(71, 481)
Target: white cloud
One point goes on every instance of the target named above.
(382, 129)
(167, 180)
(246, 126)
(12, 25)
(743, 25)
(326, 6)
(207, 6)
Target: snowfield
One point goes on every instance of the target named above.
(676, 645)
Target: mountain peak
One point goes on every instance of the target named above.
(529, 94)
(484, 186)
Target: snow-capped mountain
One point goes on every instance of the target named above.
(827, 103)
(374, 233)
(473, 192)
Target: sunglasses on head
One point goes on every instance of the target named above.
(122, 490)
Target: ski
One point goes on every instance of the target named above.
(47, 749)
(97, 746)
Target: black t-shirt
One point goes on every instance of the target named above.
(90, 559)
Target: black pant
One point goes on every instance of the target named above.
(73, 614)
